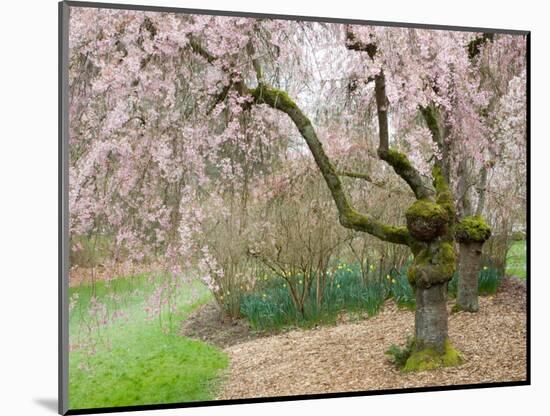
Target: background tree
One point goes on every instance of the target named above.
(497, 73)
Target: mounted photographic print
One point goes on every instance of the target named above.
(259, 207)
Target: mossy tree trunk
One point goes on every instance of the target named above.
(471, 233)
(469, 265)
(429, 275)
(431, 224)
(431, 328)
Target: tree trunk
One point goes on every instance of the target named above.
(431, 317)
(468, 267)
(471, 233)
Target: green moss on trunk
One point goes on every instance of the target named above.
(472, 229)
(443, 192)
(434, 263)
(403, 167)
(430, 359)
(398, 160)
(456, 308)
(426, 220)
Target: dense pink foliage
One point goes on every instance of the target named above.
(149, 143)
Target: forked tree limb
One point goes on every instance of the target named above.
(349, 218)
(398, 161)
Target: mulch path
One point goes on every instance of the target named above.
(350, 356)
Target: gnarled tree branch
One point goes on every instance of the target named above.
(349, 218)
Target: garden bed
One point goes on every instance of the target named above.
(205, 324)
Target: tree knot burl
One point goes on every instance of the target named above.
(426, 220)
(434, 263)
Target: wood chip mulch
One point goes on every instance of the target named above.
(350, 356)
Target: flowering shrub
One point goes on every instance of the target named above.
(298, 235)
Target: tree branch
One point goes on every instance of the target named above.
(280, 100)
(354, 44)
(398, 161)
(358, 175)
(464, 184)
(431, 116)
(366, 177)
(255, 63)
(349, 218)
(482, 190)
(199, 50)
(219, 98)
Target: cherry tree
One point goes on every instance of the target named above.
(436, 82)
(166, 108)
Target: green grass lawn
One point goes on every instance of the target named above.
(516, 262)
(136, 362)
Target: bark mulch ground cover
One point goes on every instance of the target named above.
(350, 356)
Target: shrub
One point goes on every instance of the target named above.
(398, 355)
(296, 235)
(218, 245)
